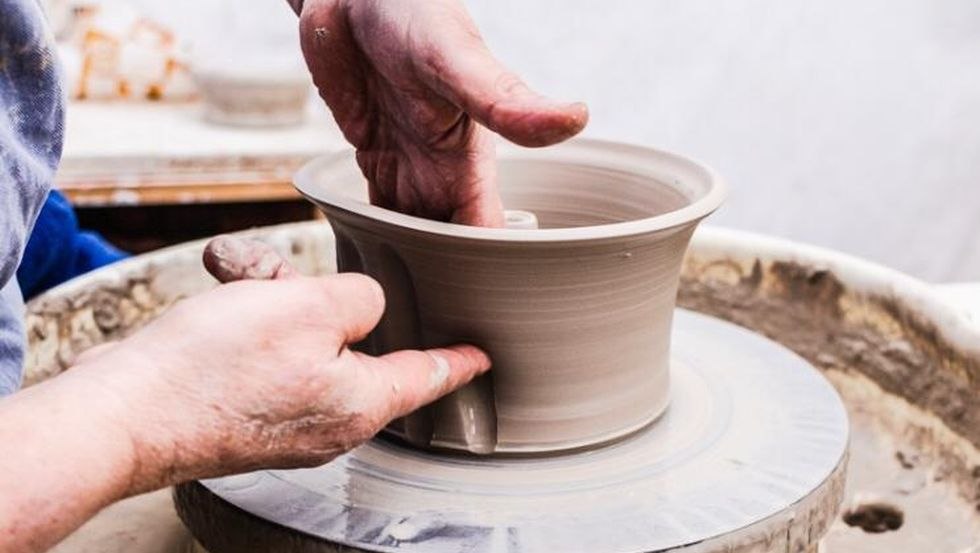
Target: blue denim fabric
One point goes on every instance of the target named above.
(11, 338)
(31, 123)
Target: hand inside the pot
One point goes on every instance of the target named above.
(412, 86)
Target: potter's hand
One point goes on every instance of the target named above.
(252, 374)
(259, 373)
(403, 79)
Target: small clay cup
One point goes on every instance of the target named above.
(576, 315)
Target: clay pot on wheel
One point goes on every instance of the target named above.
(576, 314)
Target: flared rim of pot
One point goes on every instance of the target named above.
(704, 189)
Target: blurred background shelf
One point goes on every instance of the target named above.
(147, 175)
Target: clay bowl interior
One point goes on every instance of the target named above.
(576, 314)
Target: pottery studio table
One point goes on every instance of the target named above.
(148, 175)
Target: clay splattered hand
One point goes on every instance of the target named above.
(412, 85)
(257, 373)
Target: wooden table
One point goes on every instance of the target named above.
(152, 174)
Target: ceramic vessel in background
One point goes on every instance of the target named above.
(576, 315)
(257, 96)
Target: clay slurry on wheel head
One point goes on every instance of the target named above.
(575, 315)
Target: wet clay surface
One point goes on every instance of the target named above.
(810, 311)
(906, 489)
(913, 398)
(59, 328)
(576, 314)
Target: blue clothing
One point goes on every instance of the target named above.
(58, 250)
(31, 123)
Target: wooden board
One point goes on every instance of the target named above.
(129, 153)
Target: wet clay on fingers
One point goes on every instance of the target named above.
(576, 314)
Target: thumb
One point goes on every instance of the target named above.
(470, 76)
(416, 378)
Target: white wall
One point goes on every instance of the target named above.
(853, 124)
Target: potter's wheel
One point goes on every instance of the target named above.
(749, 457)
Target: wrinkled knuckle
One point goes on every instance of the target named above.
(363, 428)
(509, 82)
(432, 61)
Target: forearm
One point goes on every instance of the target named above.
(65, 457)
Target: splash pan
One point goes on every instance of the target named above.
(906, 365)
(751, 451)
